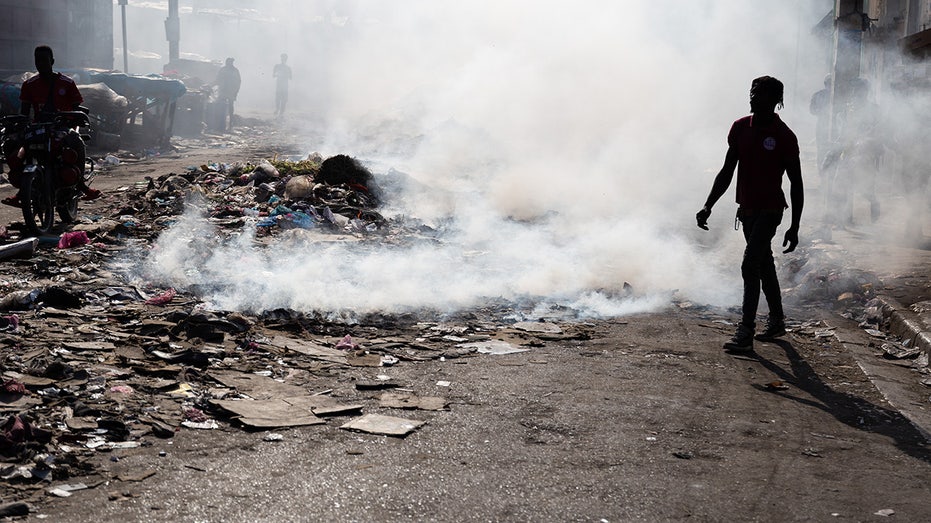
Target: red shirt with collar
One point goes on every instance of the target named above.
(65, 95)
(763, 152)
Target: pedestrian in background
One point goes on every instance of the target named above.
(761, 148)
(228, 82)
(820, 108)
(857, 157)
(282, 75)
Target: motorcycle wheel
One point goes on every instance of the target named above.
(36, 198)
(68, 211)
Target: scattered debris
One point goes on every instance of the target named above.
(270, 413)
(14, 509)
(897, 351)
(347, 344)
(135, 478)
(64, 491)
(102, 360)
(162, 298)
(22, 248)
(386, 425)
(538, 326)
(813, 452)
(73, 239)
(495, 347)
(407, 400)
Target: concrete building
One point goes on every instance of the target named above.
(79, 31)
(887, 42)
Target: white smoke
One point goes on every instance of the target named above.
(569, 143)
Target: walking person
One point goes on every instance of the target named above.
(761, 148)
(282, 75)
(820, 107)
(228, 82)
(861, 148)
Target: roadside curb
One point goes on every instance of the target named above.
(894, 383)
(906, 324)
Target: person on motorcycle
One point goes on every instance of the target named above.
(44, 94)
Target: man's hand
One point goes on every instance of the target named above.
(791, 240)
(702, 217)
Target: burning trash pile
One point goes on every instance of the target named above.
(96, 367)
(336, 195)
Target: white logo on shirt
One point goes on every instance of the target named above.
(769, 143)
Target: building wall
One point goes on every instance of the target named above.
(79, 31)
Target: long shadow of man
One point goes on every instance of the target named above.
(846, 408)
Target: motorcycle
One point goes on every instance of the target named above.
(49, 181)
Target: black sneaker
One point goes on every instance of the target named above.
(742, 341)
(774, 329)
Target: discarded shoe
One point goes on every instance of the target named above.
(774, 329)
(12, 201)
(742, 341)
(91, 194)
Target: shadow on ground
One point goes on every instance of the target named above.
(846, 408)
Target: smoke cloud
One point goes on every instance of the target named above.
(561, 149)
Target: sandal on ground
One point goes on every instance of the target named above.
(12, 201)
(91, 194)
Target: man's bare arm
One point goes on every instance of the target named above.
(797, 201)
(721, 182)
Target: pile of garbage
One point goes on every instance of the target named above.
(333, 195)
(94, 367)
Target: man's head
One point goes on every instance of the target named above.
(284, 57)
(859, 88)
(229, 61)
(765, 94)
(44, 59)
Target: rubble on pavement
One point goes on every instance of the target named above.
(822, 279)
(95, 363)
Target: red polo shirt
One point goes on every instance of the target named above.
(763, 152)
(65, 94)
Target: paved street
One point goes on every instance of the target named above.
(637, 418)
(648, 420)
(443, 265)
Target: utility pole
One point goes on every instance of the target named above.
(848, 34)
(122, 4)
(173, 31)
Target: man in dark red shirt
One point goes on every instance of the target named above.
(45, 94)
(761, 147)
(48, 92)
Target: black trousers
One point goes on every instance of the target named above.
(758, 267)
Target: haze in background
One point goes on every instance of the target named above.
(570, 143)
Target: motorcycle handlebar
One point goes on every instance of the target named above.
(12, 119)
(67, 118)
